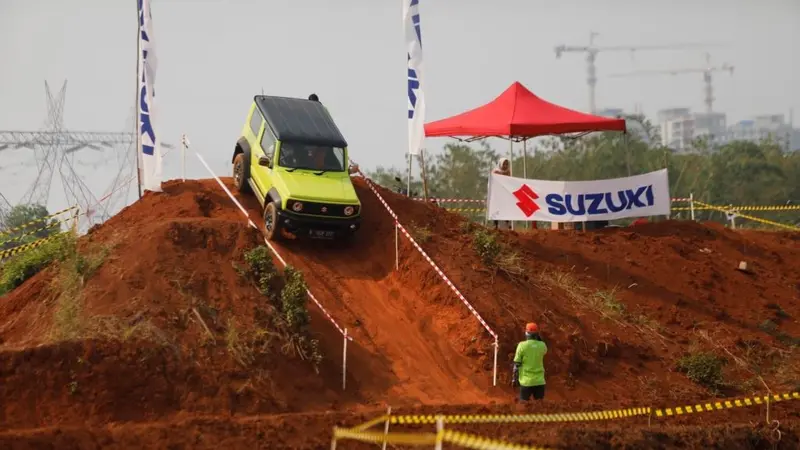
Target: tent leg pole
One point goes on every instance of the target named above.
(525, 158)
(525, 168)
(511, 165)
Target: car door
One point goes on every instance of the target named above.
(265, 147)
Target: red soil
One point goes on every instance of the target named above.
(414, 341)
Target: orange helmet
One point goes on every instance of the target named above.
(531, 328)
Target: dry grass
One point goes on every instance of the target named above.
(497, 255)
(73, 271)
(603, 302)
(420, 233)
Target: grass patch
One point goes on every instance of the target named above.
(261, 268)
(495, 255)
(604, 302)
(704, 368)
(290, 318)
(771, 328)
(779, 312)
(607, 303)
(18, 268)
(420, 233)
(74, 269)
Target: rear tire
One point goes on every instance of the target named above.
(240, 174)
(272, 228)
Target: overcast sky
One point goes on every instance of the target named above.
(214, 55)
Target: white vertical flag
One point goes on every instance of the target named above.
(147, 142)
(416, 99)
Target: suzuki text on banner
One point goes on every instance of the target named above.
(148, 144)
(416, 99)
(578, 201)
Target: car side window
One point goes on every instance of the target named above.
(268, 143)
(255, 121)
(339, 152)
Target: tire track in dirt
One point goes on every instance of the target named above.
(392, 321)
(396, 325)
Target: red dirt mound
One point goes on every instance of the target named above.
(618, 308)
(178, 314)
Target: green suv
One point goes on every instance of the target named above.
(294, 159)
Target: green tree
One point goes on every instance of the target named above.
(462, 171)
(738, 173)
(28, 224)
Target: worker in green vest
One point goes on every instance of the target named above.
(529, 365)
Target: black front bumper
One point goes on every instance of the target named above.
(299, 224)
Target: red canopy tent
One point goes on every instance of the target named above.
(518, 114)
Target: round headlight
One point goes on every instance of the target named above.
(297, 206)
(349, 210)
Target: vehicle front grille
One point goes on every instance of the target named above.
(323, 209)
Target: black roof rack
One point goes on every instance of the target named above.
(299, 120)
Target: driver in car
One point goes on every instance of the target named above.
(288, 158)
(318, 155)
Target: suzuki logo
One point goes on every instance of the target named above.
(526, 197)
(324, 209)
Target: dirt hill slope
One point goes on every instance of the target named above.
(164, 323)
(618, 309)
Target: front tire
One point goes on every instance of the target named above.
(272, 228)
(241, 174)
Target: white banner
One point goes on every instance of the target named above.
(416, 98)
(147, 142)
(578, 201)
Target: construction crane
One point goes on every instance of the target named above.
(706, 71)
(591, 56)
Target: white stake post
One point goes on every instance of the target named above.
(494, 374)
(386, 428)
(691, 204)
(344, 361)
(439, 428)
(184, 145)
(396, 247)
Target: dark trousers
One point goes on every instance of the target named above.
(525, 392)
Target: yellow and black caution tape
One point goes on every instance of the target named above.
(25, 247)
(767, 208)
(371, 423)
(466, 209)
(522, 418)
(379, 437)
(32, 222)
(458, 438)
(588, 415)
(696, 208)
(46, 227)
(478, 442)
(732, 210)
(726, 404)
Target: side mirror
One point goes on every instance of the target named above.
(264, 161)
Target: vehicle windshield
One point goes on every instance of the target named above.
(294, 155)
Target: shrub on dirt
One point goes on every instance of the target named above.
(74, 268)
(420, 233)
(496, 255)
(24, 265)
(262, 269)
(294, 307)
(291, 318)
(704, 368)
(606, 302)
